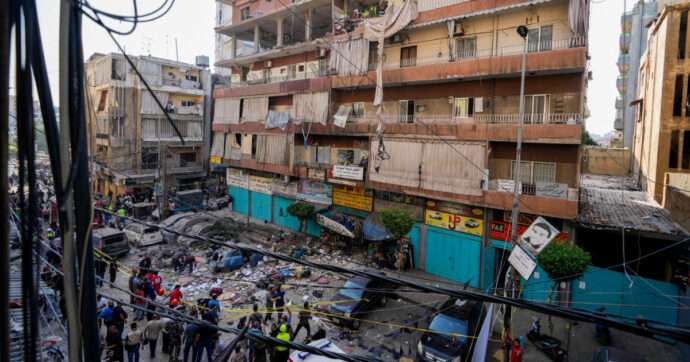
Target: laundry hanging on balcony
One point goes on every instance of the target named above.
(148, 104)
(233, 150)
(218, 144)
(350, 57)
(277, 120)
(254, 109)
(309, 107)
(226, 111)
(341, 117)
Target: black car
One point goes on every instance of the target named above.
(362, 301)
(450, 325)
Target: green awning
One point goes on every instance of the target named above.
(190, 176)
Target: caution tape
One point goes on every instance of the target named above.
(251, 311)
(101, 253)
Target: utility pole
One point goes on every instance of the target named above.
(507, 315)
(164, 197)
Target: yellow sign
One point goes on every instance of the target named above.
(453, 222)
(352, 200)
(216, 159)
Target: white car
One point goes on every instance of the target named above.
(141, 235)
(323, 344)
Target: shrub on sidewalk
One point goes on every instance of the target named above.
(399, 222)
(303, 211)
(563, 262)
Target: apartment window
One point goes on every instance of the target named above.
(193, 78)
(244, 13)
(254, 141)
(188, 103)
(536, 108)
(187, 159)
(465, 48)
(463, 107)
(533, 172)
(408, 56)
(320, 154)
(323, 67)
(540, 38)
(300, 68)
(682, 34)
(114, 74)
(686, 150)
(102, 100)
(149, 159)
(373, 56)
(673, 154)
(678, 96)
(358, 109)
(406, 111)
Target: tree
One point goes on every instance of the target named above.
(587, 140)
(399, 222)
(303, 211)
(563, 262)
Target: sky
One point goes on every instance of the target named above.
(191, 22)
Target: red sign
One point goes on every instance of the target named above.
(501, 231)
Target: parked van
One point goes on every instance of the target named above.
(111, 242)
(141, 235)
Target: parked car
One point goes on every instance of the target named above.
(234, 259)
(450, 325)
(322, 344)
(610, 354)
(141, 235)
(110, 241)
(359, 300)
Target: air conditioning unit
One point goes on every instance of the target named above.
(459, 30)
(268, 63)
(320, 53)
(395, 39)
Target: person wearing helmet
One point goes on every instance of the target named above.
(282, 353)
(175, 295)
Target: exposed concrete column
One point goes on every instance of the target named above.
(279, 24)
(233, 46)
(307, 25)
(256, 39)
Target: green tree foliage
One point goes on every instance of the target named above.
(399, 222)
(303, 211)
(561, 260)
(587, 140)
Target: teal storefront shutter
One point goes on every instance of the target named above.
(262, 206)
(453, 255)
(240, 200)
(414, 241)
(287, 220)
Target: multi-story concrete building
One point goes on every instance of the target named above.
(307, 117)
(131, 137)
(662, 127)
(633, 42)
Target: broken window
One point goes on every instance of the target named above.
(193, 78)
(408, 56)
(686, 150)
(254, 141)
(678, 96)
(244, 13)
(673, 152)
(188, 103)
(346, 156)
(149, 159)
(187, 159)
(102, 100)
(465, 48)
(406, 111)
(682, 33)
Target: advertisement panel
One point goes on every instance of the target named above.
(314, 174)
(522, 262)
(348, 172)
(353, 197)
(314, 191)
(499, 230)
(216, 159)
(237, 178)
(287, 190)
(263, 185)
(454, 208)
(538, 236)
(463, 224)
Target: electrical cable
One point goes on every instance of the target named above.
(5, 46)
(539, 307)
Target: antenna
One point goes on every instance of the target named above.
(146, 42)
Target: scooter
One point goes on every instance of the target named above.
(603, 331)
(547, 344)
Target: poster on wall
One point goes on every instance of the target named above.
(287, 190)
(353, 197)
(455, 208)
(501, 231)
(263, 185)
(463, 224)
(237, 178)
(538, 236)
(314, 191)
(522, 262)
(348, 172)
(314, 174)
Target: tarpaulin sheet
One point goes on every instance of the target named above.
(350, 57)
(148, 104)
(443, 170)
(273, 149)
(255, 109)
(578, 12)
(341, 117)
(309, 107)
(226, 111)
(277, 120)
(233, 149)
(336, 222)
(218, 147)
(151, 72)
(374, 230)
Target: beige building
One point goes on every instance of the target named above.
(662, 131)
(131, 133)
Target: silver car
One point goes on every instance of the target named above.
(141, 235)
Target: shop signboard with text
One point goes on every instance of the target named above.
(284, 189)
(455, 208)
(314, 191)
(463, 224)
(499, 230)
(352, 196)
(237, 178)
(348, 172)
(263, 185)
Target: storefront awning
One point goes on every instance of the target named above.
(374, 230)
(190, 176)
(335, 222)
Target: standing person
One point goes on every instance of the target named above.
(113, 342)
(516, 352)
(282, 353)
(133, 343)
(107, 214)
(175, 295)
(214, 301)
(167, 326)
(120, 317)
(157, 281)
(188, 340)
(269, 302)
(176, 331)
(152, 331)
(212, 315)
(304, 316)
(189, 260)
(177, 260)
(100, 265)
(219, 346)
(256, 316)
(145, 264)
(113, 272)
(107, 314)
(121, 214)
(140, 302)
(279, 299)
(134, 284)
(257, 350)
(203, 342)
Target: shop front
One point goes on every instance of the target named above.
(261, 191)
(284, 194)
(317, 192)
(238, 187)
(415, 205)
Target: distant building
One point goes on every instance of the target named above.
(132, 139)
(633, 42)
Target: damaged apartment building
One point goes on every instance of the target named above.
(362, 105)
(131, 138)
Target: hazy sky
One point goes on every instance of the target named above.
(191, 22)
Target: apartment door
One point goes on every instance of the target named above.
(408, 56)
(537, 108)
(406, 111)
(540, 39)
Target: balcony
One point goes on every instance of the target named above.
(618, 124)
(161, 130)
(182, 83)
(561, 118)
(619, 103)
(622, 84)
(623, 63)
(281, 78)
(190, 110)
(184, 166)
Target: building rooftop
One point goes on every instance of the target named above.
(615, 203)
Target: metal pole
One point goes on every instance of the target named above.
(4, 186)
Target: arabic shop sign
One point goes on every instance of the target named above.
(463, 224)
(237, 178)
(287, 190)
(314, 191)
(260, 184)
(454, 208)
(348, 172)
(500, 231)
(352, 197)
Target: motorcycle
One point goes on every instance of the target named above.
(603, 331)
(547, 344)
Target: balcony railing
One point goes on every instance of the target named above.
(281, 78)
(542, 46)
(182, 83)
(561, 118)
(190, 110)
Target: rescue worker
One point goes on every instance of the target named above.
(282, 353)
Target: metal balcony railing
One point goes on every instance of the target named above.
(281, 78)
(551, 118)
(190, 110)
(561, 118)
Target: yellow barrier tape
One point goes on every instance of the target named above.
(100, 252)
(270, 310)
